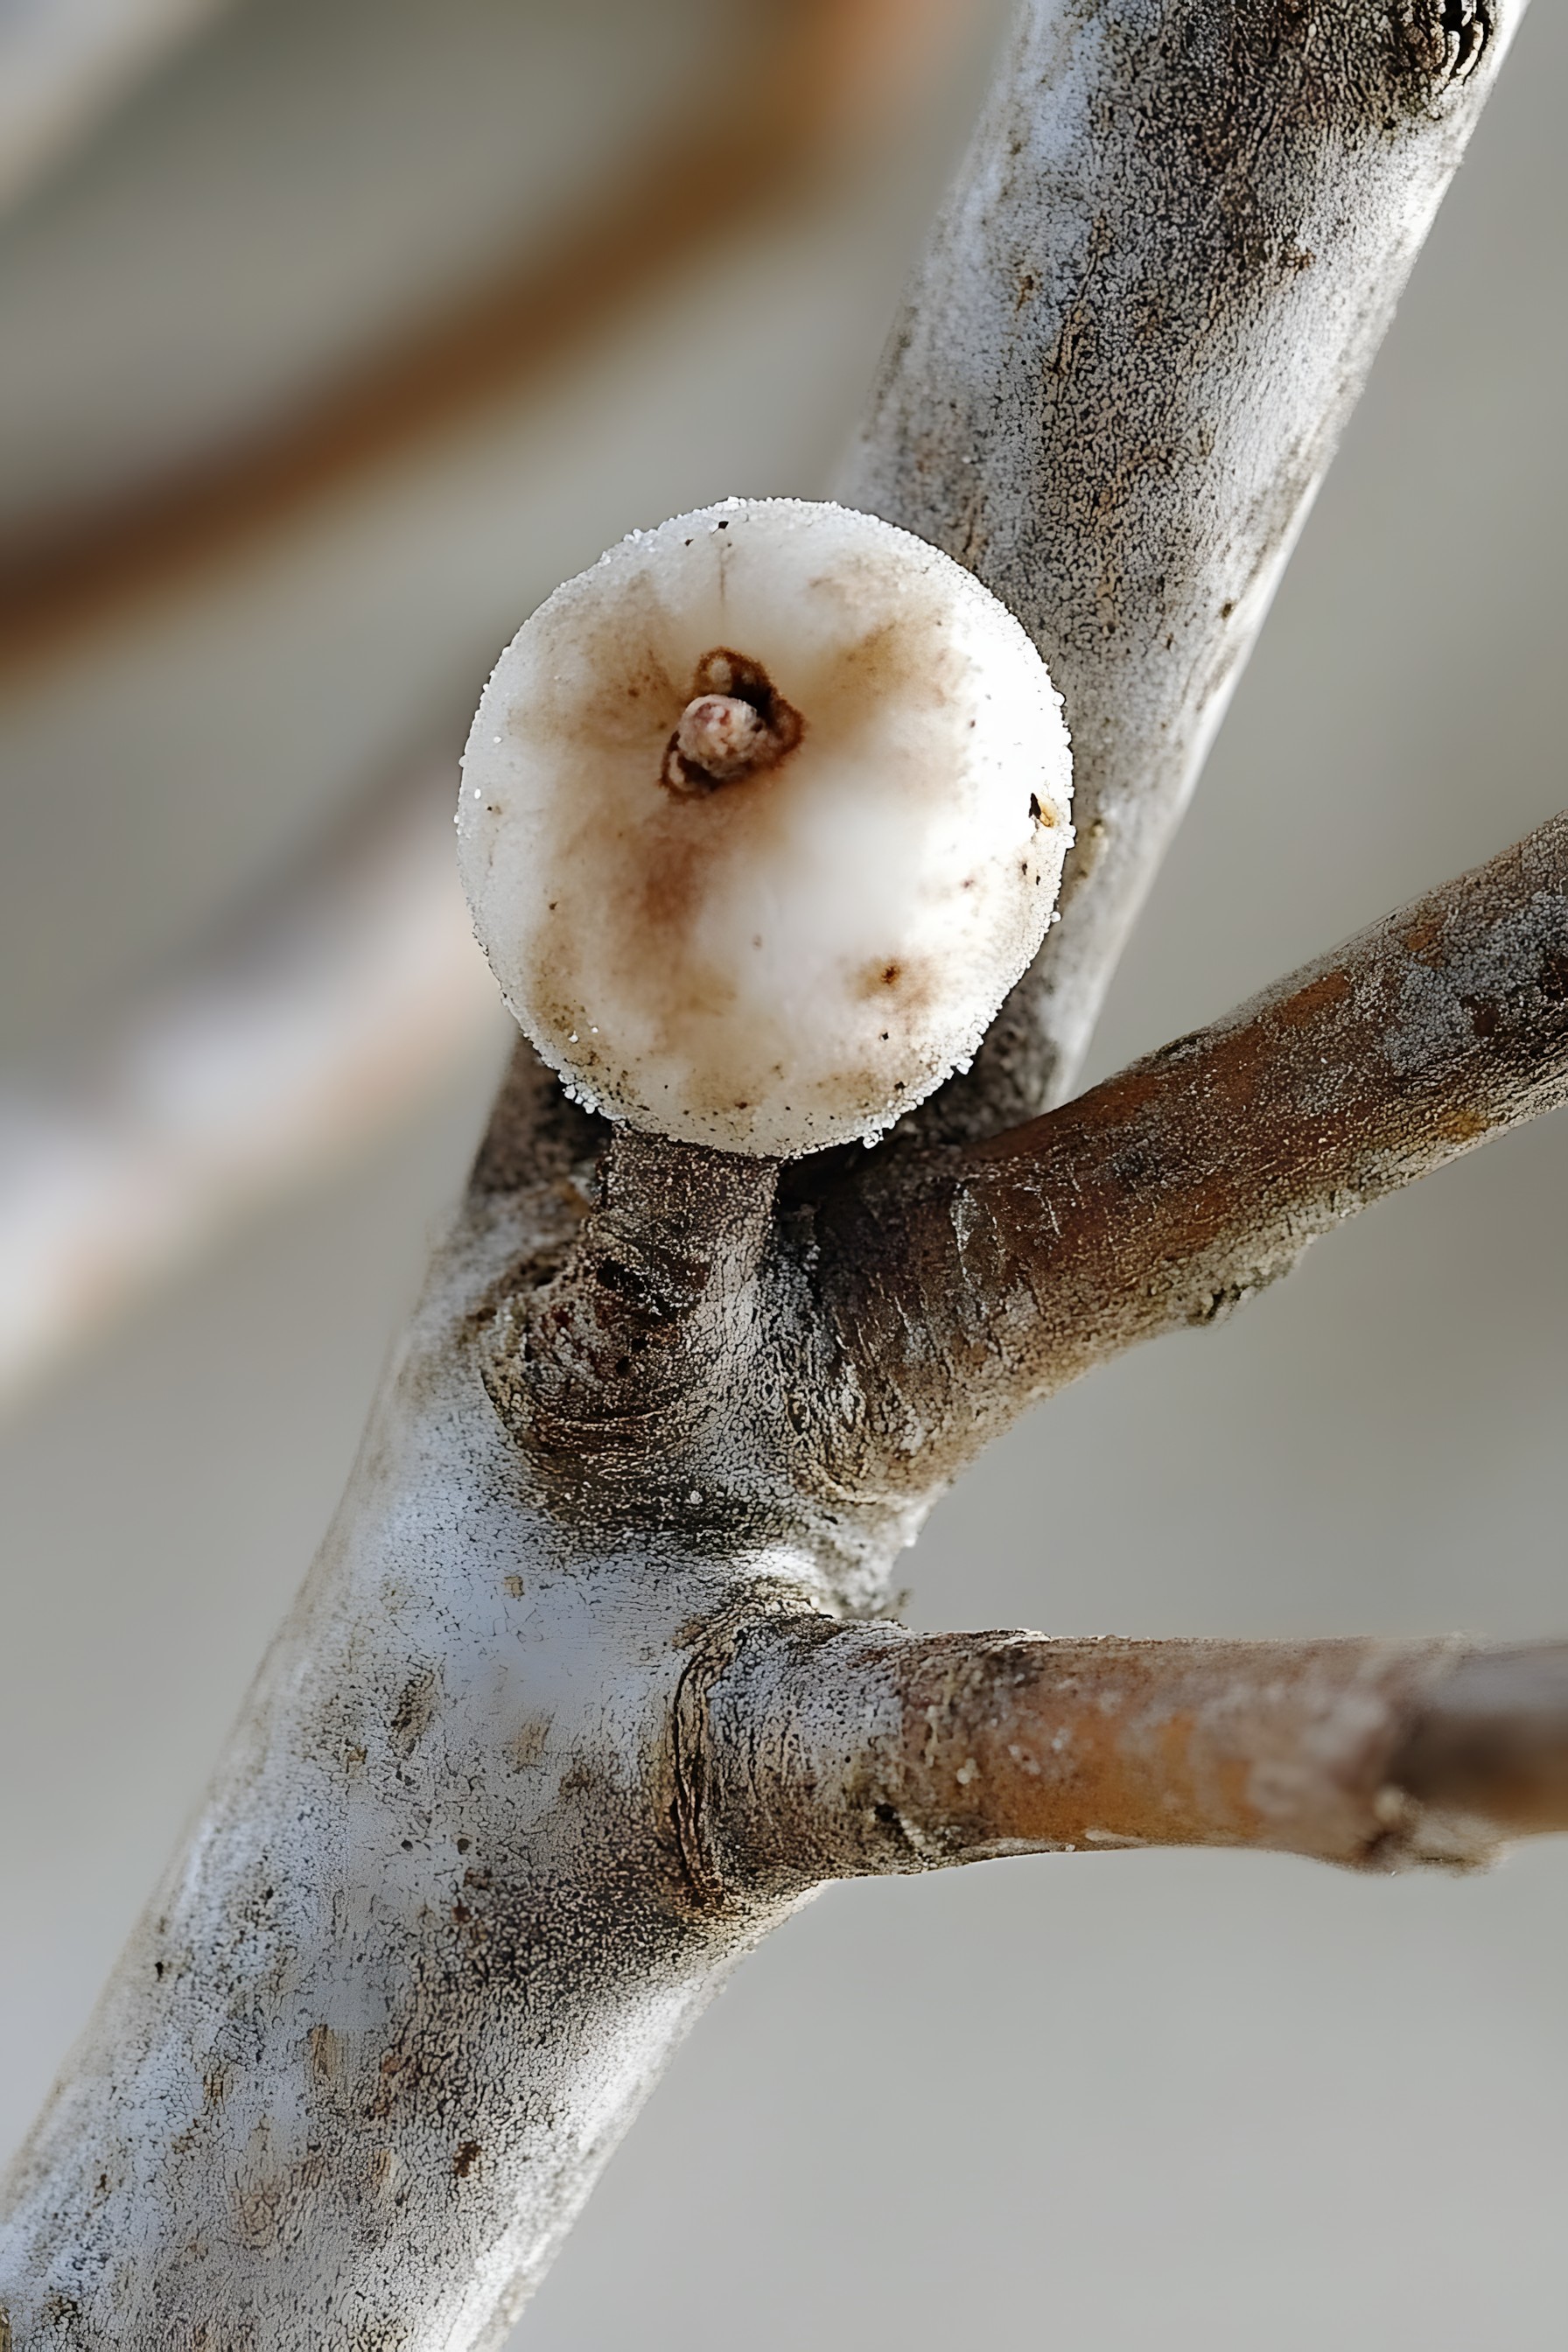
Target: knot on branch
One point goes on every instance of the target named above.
(623, 1344)
(670, 1372)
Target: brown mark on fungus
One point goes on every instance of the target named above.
(745, 760)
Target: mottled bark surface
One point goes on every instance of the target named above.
(842, 1751)
(433, 1937)
(575, 1707)
(1125, 365)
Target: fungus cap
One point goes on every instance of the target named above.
(761, 817)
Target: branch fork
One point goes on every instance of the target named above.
(963, 1283)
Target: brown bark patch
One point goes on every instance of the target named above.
(1318, 997)
(415, 1711)
(326, 2050)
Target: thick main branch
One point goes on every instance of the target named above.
(1125, 363)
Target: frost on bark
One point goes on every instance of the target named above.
(591, 1682)
(1143, 319)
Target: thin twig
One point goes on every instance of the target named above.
(968, 1282)
(836, 1751)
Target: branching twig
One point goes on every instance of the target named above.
(969, 1281)
(569, 1712)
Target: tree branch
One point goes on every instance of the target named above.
(969, 1281)
(1144, 317)
(540, 1753)
(816, 75)
(320, 1010)
(64, 64)
(841, 1751)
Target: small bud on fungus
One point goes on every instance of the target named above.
(761, 819)
(720, 735)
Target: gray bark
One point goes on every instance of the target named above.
(1145, 315)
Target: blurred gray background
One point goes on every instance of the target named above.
(1192, 2100)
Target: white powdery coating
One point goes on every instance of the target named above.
(799, 955)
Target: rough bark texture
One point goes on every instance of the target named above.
(968, 1280)
(1126, 362)
(582, 1694)
(841, 1751)
(569, 1713)
(433, 1936)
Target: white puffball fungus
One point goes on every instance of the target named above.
(761, 817)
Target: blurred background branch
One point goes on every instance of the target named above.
(64, 64)
(796, 88)
(389, 382)
(349, 986)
